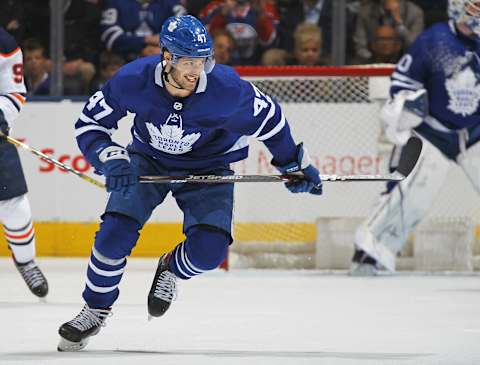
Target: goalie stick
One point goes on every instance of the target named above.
(410, 154)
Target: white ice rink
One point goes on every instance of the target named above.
(251, 317)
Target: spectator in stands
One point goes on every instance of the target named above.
(276, 57)
(81, 45)
(36, 65)
(12, 18)
(318, 12)
(223, 44)
(150, 50)
(434, 11)
(110, 63)
(81, 39)
(131, 27)
(37, 68)
(403, 15)
(386, 46)
(38, 25)
(252, 24)
(195, 6)
(308, 45)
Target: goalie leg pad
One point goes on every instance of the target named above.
(385, 231)
(16, 216)
(470, 164)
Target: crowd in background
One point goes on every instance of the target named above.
(102, 35)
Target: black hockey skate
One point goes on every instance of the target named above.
(363, 264)
(33, 277)
(163, 290)
(74, 335)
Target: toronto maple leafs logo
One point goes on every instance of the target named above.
(172, 26)
(463, 92)
(169, 138)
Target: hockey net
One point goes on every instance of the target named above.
(334, 111)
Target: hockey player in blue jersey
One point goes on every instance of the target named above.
(15, 213)
(434, 94)
(131, 27)
(191, 117)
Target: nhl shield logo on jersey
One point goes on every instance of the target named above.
(463, 92)
(169, 138)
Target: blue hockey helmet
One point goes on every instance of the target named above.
(467, 12)
(186, 36)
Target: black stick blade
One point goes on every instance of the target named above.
(410, 155)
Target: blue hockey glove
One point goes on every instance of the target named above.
(308, 181)
(4, 127)
(119, 173)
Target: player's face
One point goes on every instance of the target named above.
(187, 71)
(473, 8)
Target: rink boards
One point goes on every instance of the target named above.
(66, 209)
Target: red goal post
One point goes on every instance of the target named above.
(325, 71)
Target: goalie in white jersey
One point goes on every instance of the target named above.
(15, 214)
(433, 95)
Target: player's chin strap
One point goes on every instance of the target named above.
(166, 77)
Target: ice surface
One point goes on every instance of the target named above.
(250, 317)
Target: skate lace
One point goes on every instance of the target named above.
(166, 286)
(31, 274)
(90, 317)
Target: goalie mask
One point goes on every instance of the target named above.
(467, 12)
(186, 36)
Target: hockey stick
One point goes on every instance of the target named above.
(410, 154)
(52, 160)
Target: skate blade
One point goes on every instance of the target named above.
(363, 270)
(69, 346)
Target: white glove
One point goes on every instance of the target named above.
(404, 112)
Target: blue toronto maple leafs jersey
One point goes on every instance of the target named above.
(125, 23)
(209, 128)
(447, 65)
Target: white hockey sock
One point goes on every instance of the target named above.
(16, 216)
